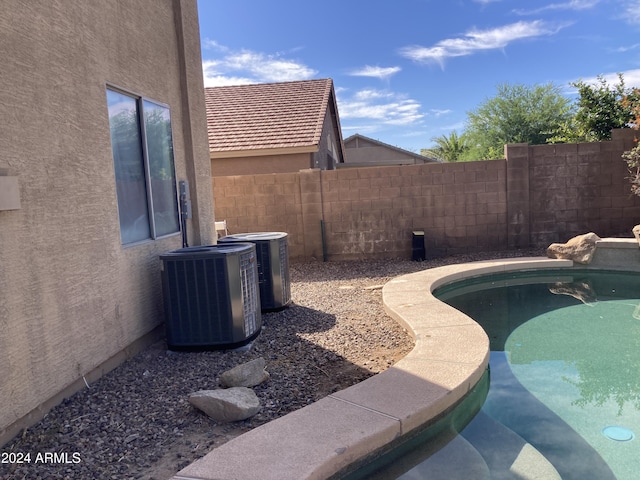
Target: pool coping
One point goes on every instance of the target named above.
(450, 355)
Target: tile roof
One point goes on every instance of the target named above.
(267, 116)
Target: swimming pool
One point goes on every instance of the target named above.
(564, 396)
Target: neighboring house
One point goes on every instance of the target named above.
(102, 108)
(273, 127)
(361, 151)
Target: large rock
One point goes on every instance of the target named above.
(636, 233)
(227, 405)
(248, 374)
(580, 249)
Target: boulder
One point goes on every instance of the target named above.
(247, 374)
(580, 249)
(636, 233)
(227, 405)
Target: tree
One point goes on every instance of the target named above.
(632, 157)
(600, 108)
(517, 114)
(448, 149)
(632, 101)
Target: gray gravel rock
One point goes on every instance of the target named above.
(136, 422)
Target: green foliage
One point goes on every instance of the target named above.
(448, 149)
(517, 114)
(541, 114)
(632, 101)
(600, 108)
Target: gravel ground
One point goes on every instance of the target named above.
(136, 422)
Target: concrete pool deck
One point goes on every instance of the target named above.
(450, 355)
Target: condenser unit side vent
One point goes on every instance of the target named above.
(273, 266)
(250, 298)
(283, 253)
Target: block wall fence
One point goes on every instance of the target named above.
(535, 196)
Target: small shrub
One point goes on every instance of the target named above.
(632, 157)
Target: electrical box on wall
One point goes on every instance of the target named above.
(9, 191)
(185, 199)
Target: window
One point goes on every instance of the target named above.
(144, 168)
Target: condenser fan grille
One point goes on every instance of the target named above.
(211, 296)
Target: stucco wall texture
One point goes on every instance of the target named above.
(284, 163)
(71, 296)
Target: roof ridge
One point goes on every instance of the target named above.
(310, 80)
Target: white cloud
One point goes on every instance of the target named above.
(570, 5)
(632, 12)
(437, 113)
(379, 107)
(245, 66)
(478, 40)
(628, 48)
(458, 126)
(222, 81)
(631, 78)
(376, 72)
(212, 44)
(367, 129)
(371, 94)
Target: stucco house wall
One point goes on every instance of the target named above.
(73, 300)
(282, 163)
(361, 151)
(330, 148)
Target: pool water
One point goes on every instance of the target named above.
(564, 394)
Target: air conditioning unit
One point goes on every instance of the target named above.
(211, 296)
(273, 266)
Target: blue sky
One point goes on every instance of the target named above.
(406, 71)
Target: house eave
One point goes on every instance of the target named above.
(260, 152)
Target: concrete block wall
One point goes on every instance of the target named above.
(518, 193)
(560, 191)
(373, 211)
(262, 203)
(536, 196)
